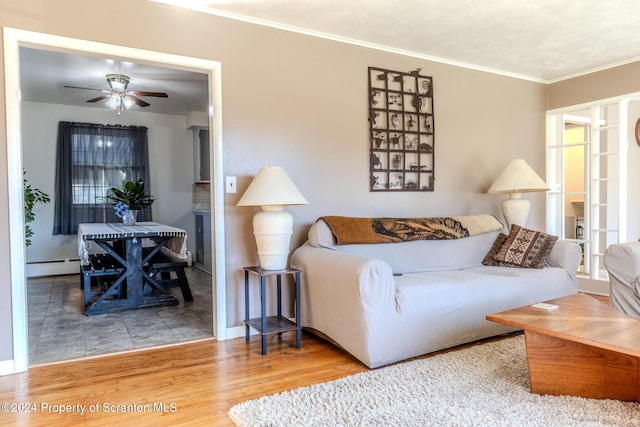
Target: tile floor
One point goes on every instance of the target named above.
(59, 329)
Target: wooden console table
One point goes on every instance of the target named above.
(584, 348)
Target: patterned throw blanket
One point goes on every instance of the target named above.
(350, 230)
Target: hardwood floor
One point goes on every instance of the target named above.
(197, 382)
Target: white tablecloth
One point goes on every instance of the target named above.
(113, 231)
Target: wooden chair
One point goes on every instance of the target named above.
(160, 268)
(100, 267)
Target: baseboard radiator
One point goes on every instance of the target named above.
(53, 268)
(62, 267)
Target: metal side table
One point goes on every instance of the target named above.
(271, 324)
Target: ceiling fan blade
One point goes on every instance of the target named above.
(143, 93)
(139, 101)
(88, 88)
(100, 98)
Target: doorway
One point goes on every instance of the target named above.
(592, 194)
(13, 40)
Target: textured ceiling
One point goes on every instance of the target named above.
(540, 40)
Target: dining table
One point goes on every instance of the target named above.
(132, 246)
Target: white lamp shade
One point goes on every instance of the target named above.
(272, 189)
(272, 186)
(518, 177)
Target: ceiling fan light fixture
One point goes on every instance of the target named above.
(118, 82)
(118, 98)
(114, 101)
(127, 102)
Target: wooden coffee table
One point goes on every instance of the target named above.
(584, 348)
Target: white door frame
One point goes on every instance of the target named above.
(13, 40)
(593, 282)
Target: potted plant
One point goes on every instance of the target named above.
(31, 197)
(129, 199)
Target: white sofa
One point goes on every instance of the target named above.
(622, 261)
(387, 302)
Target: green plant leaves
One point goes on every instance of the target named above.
(133, 194)
(31, 197)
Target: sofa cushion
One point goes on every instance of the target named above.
(525, 248)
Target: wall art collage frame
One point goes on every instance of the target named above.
(401, 131)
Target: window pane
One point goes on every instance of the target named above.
(554, 167)
(574, 179)
(554, 225)
(99, 164)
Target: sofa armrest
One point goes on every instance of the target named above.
(622, 261)
(565, 255)
(344, 295)
(347, 279)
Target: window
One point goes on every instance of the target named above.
(92, 158)
(587, 173)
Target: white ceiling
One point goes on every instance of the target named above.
(540, 40)
(43, 75)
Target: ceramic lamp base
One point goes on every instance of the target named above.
(515, 210)
(272, 228)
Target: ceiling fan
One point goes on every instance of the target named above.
(119, 98)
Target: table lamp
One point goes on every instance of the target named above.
(515, 179)
(272, 190)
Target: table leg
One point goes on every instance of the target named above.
(299, 329)
(279, 298)
(263, 312)
(246, 305)
(134, 271)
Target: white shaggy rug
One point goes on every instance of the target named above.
(482, 385)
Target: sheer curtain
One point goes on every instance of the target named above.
(92, 158)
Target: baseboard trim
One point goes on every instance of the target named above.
(596, 287)
(237, 332)
(7, 367)
(53, 268)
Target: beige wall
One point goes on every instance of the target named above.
(301, 103)
(605, 84)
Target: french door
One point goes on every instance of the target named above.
(587, 171)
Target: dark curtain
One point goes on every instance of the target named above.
(92, 158)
